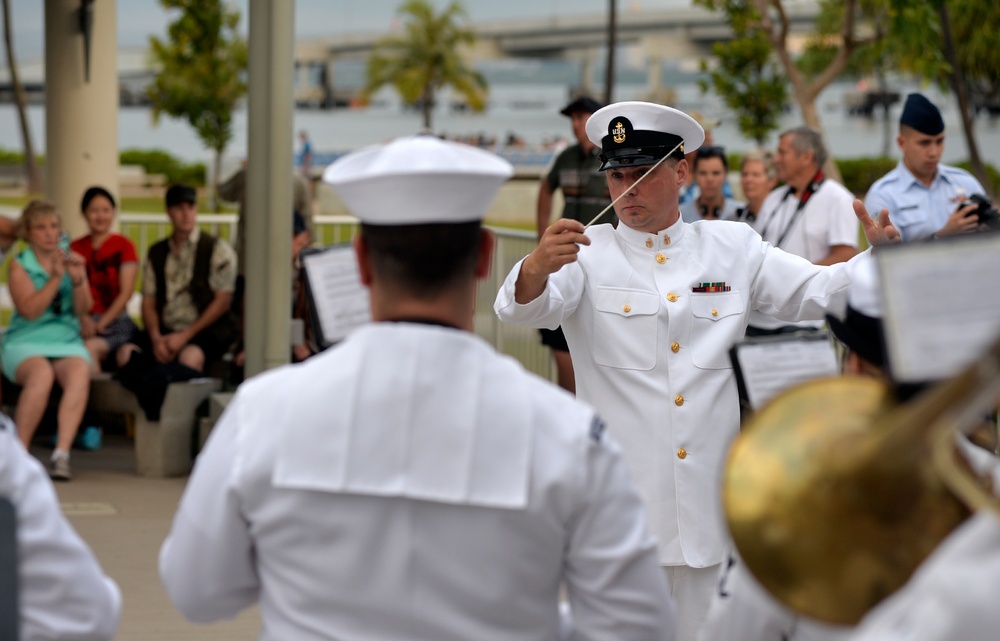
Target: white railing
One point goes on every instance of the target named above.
(146, 229)
(512, 245)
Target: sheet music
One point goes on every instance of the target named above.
(770, 366)
(336, 292)
(942, 305)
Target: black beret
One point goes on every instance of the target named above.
(921, 114)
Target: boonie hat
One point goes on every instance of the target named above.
(583, 104)
(635, 134)
(921, 114)
(418, 180)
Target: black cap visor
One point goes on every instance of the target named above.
(628, 157)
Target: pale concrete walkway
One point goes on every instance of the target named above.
(124, 519)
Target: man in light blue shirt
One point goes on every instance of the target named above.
(923, 196)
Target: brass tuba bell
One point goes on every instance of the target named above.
(834, 492)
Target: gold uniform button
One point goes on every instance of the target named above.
(649, 243)
(660, 258)
(666, 239)
(682, 453)
(678, 400)
(626, 309)
(675, 347)
(672, 297)
(715, 312)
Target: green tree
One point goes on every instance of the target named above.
(31, 171)
(952, 43)
(746, 76)
(202, 66)
(974, 25)
(425, 58)
(844, 36)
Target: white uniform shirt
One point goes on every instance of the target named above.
(652, 355)
(826, 220)
(64, 594)
(410, 483)
(952, 596)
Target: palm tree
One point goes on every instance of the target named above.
(31, 171)
(426, 58)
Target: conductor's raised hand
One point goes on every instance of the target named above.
(878, 231)
(559, 246)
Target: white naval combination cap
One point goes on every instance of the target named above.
(635, 134)
(418, 180)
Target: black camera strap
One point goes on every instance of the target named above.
(807, 193)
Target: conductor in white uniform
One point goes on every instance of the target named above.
(410, 482)
(650, 310)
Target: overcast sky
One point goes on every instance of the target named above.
(138, 19)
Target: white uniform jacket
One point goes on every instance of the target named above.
(651, 353)
(410, 483)
(63, 592)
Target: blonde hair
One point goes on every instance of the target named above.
(34, 211)
(763, 156)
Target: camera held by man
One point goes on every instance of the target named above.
(987, 213)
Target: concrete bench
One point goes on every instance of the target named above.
(216, 406)
(162, 448)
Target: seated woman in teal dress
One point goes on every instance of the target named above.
(49, 289)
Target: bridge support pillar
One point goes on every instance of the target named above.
(585, 58)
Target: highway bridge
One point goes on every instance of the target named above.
(680, 34)
(661, 36)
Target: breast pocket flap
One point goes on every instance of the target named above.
(626, 302)
(716, 306)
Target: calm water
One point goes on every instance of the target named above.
(529, 111)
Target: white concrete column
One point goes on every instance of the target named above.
(269, 185)
(81, 115)
(586, 72)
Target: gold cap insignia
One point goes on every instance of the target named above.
(618, 133)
